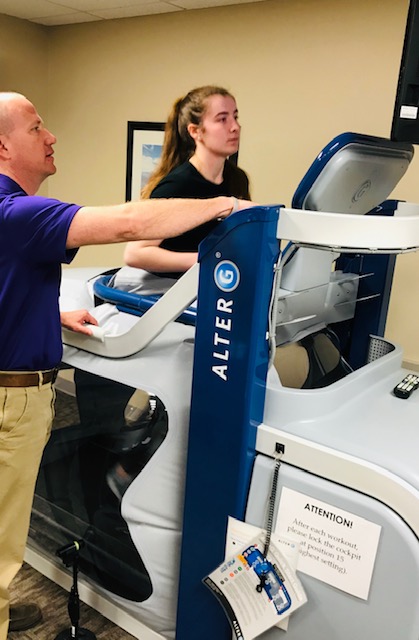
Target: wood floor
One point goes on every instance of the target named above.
(29, 585)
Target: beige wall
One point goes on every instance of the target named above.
(24, 61)
(302, 71)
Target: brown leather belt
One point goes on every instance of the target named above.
(17, 379)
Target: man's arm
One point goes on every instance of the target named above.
(146, 219)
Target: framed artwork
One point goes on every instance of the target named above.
(144, 147)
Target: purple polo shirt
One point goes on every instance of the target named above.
(33, 235)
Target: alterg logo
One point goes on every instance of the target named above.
(226, 276)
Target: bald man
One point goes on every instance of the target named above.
(37, 235)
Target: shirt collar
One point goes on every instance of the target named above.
(7, 185)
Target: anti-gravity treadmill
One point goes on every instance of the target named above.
(315, 277)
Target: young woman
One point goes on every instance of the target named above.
(201, 134)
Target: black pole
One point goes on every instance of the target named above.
(69, 554)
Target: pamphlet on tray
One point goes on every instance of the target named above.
(256, 592)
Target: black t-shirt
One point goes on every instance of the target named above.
(186, 182)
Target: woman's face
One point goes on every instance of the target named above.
(219, 131)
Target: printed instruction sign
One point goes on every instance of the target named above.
(336, 546)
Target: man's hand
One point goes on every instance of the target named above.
(78, 320)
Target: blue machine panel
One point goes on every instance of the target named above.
(228, 394)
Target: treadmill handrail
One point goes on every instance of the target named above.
(178, 298)
(349, 232)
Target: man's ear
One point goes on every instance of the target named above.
(4, 148)
(3, 144)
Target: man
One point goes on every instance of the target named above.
(36, 235)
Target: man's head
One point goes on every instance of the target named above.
(26, 153)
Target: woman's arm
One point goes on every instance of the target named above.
(148, 255)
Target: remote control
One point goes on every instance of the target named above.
(406, 387)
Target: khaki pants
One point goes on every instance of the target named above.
(26, 414)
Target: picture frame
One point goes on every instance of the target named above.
(144, 147)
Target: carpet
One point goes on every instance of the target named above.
(29, 585)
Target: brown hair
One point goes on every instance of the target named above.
(178, 146)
